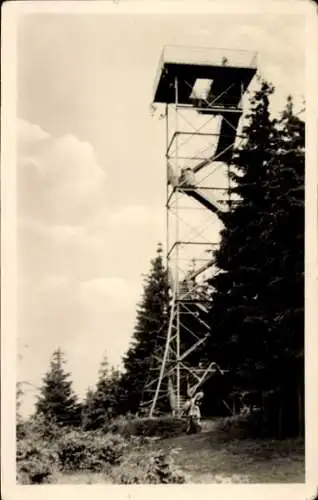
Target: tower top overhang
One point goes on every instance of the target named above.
(224, 68)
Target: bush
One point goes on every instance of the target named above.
(240, 426)
(39, 428)
(37, 461)
(90, 450)
(121, 425)
(162, 427)
(147, 467)
(43, 451)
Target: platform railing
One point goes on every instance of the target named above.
(209, 56)
(205, 56)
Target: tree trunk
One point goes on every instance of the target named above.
(301, 413)
(280, 420)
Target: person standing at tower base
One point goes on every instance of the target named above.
(194, 414)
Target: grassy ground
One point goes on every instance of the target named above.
(206, 458)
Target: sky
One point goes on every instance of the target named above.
(91, 169)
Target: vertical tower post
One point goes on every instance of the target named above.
(177, 257)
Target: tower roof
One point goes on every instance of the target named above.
(225, 69)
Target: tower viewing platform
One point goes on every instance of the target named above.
(220, 76)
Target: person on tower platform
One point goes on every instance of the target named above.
(187, 177)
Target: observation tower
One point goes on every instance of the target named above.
(202, 91)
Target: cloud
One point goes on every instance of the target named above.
(29, 135)
(135, 215)
(59, 179)
(119, 293)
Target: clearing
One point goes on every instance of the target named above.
(207, 458)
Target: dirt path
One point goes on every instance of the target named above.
(206, 459)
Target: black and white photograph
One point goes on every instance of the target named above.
(158, 251)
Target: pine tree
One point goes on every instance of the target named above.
(142, 360)
(88, 409)
(19, 396)
(256, 317)
(57, 401)
(236, 324)
(283, 242)
(100, 405)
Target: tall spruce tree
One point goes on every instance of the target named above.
(88, 409)
(57, 401)
(142, 360)
(235, 319)
(100, 405)
(256, 317)
(283, 242)
(19, 396)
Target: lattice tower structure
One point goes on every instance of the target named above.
(202, 91)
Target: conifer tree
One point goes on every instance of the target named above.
(257, 313)
(142, 360)
(57, 401)
(100, 405)
(88, 409)
(236, 324)
(19, 396)
(283, 242)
